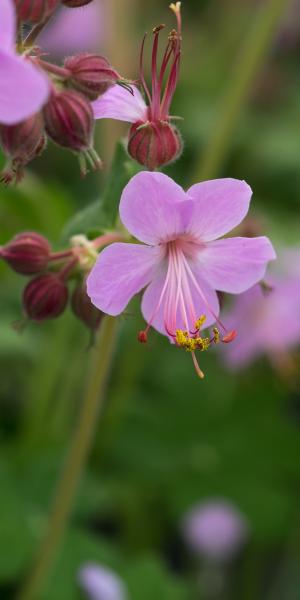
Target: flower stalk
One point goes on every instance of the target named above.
(75, 461)
(256, 48)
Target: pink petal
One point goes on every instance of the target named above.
(118, 103)
(23, 89)
(151, 298)
(220, 205)
(7, 25)
(121, 271)
(235, 264)
(154, 208)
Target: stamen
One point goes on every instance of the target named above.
(196, 365)
(142, 76)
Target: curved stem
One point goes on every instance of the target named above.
(75, 461)
(256, 47)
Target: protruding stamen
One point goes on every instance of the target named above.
(229, 337)
(196, 365)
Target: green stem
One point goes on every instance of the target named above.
(75, 461)
(256, 47)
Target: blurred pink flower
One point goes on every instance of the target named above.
(268, 321)
(100, 583)
(181, 262)
(74, 30)
(215, 529)
(23, 87)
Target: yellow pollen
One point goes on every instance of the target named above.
(175, 7)
(216, 335)
(200, 322)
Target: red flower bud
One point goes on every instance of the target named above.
(45, 297)
(69, 120)
(154, 144)
(91, 74)
(84, 309)
(27, 253)
(22, 141)
(75, 3)
(34, 11)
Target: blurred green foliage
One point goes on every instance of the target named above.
(165, 440)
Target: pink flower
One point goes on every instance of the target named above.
(267, 320)
(215, 529)
(23, 88)
(182, 263)
(75, 30)
(101, 583)
(153, 141)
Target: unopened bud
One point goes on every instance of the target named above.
(91, 74)
(21, 143)
(69, 122)
(75, 3)
(142, 337)
(34, 11)
(45, 297)
(84, 309)
(154, 144)
(27, 253)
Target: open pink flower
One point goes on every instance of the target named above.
(23, 88)
(153, 141)
(182, 263)
(268, 320)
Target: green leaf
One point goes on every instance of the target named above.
(102, 214)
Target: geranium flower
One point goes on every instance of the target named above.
(181, 262)
(268, 317)
(23, 88)
(152, 140)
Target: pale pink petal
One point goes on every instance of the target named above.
(121, 271)
(235, 264)
(23, 89)
(220, 205)
(7, 25)
(118, 103)
(152, 295)
(154, 208)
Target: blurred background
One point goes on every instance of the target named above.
(192, 490)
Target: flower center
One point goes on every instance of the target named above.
(176, 301)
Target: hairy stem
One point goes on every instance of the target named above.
(256, 47)
(75, 461)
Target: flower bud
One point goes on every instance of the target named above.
(69, 120)
(91, 74)
(45, 297)
(27, 253)
(34, 11)
(84, 309)
(23, 141)
(154, 144)
(75, 3)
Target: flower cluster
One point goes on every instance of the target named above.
(46, 294)
(40, 99)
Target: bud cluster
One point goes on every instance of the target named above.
(46, 295)
(67, 117)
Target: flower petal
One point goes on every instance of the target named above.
(235, 264)
(23, 89)
(219, 206)
(118, 103)
(120, 272)
(152, 295)
(154, 208)
(7, 25)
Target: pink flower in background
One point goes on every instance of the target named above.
(215, 529)
(100, 583)
(74, 30)
(153, 141)
(24, 89)
(268, 321)
(181, 262)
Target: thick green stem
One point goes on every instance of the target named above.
(256, 47)
(75, 461)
